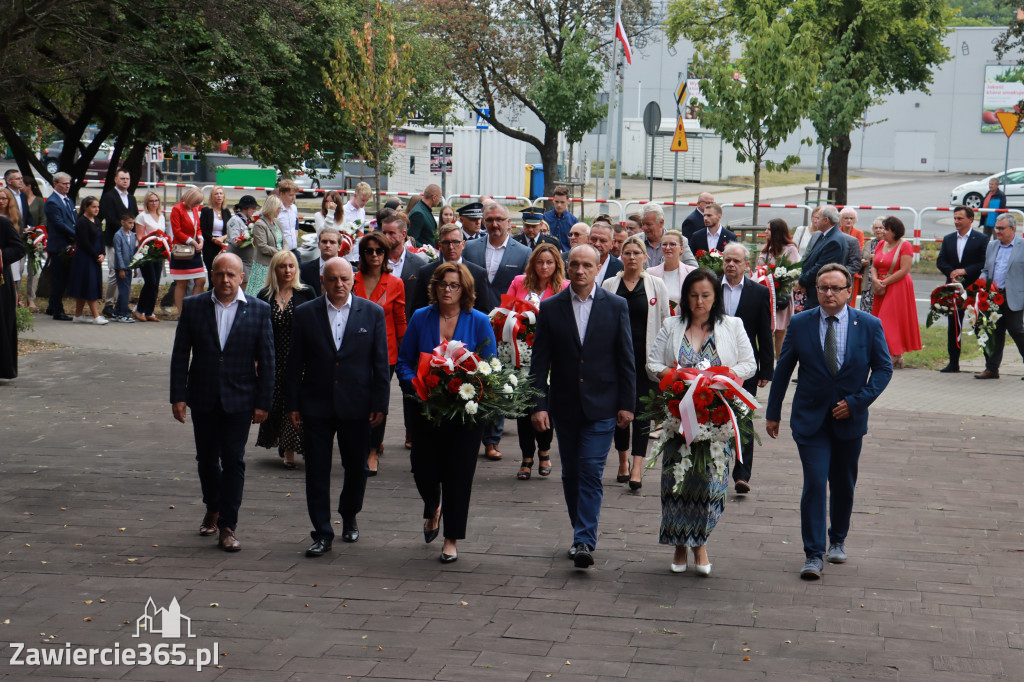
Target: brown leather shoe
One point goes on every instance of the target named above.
(493, 453)
(209, 524)
(227, 541)
(987, 374)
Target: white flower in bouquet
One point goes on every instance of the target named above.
(483, 369)
(506, 389)
(513, 379)
(496, 364)
(471, 406)
(467, 391)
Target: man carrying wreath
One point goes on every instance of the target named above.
(961, 258)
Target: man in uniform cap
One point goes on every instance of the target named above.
(471, 216)
(531, 235)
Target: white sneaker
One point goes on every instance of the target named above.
(81, 319)
(100, 320)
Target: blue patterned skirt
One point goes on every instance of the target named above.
(687, 518)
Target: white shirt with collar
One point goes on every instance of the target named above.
(603, 269)
(397, 266)
(581, 308)
(289, 218)
(337, 318)
(713, 238)
(352, 214)
(226, 314)
(493, 256)
(961, 243)
(731, 296)
(124, 197)
(323, 264)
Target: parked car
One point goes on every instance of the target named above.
(973, 193)
(316, 174)
(100, 164)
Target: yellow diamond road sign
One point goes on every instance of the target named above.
(679, 139)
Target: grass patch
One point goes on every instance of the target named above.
(933, 349)
(23, 320)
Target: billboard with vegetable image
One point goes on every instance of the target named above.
(1004, 91)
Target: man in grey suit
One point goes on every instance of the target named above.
(503, 258)
(1004, 265)
(829, 247)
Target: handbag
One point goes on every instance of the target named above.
(183, 251)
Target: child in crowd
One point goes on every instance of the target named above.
(124, 251)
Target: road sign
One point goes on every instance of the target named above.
(1008, 120)
(681, 93)
(652, 118)
(481, 122)
(679, 139)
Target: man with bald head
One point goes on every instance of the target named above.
(422, 225)
(695, 221)
(338, 384)
(222, 366)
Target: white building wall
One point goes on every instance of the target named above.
(411, 164)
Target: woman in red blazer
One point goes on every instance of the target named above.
(185, 230)
(375, 283)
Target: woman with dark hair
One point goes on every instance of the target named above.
(633, 223)
(85, 281)
(544, 276)
(37, 212)
(893, 288)
(701, 336)
(444, 456)
(374, 282)
(331, 213)
(778, 244)
(12, 249)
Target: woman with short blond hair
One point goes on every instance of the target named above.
(267, 240)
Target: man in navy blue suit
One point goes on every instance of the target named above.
(222, 366)
(329, 243)
(60, 236)
(830, 247)
(583, 341)
(337, 384)
(844, 367)
(961, 257)
(714, 236)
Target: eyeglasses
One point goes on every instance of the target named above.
(833, 290)
(375, 251)
(449, 286)
(1002, 227)
(451, 242)
(495, 220)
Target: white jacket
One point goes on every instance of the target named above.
(731, 340)
(657, 305)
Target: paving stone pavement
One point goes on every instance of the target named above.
(100, 504)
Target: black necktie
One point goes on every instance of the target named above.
(533, 244)
(831, 348)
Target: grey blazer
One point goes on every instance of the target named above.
(266, 238)
(513, 262)
(1014, 285)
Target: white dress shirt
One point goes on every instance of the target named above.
(713, 238)
(289, 219)
(731, 296)
(961, 243)
(493, 256)
(581, 309)
(124, 197)
(352, 214)
(337, 318)
(603, 269)
(226, 314)
(397, 266)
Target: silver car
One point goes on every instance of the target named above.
(973, 193)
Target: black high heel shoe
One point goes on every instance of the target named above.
(636, 485)
(430, 535)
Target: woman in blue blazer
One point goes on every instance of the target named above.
(444, 456)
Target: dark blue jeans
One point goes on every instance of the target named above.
(124, 292)
(582, 450)
(827, 461)
(220, 446)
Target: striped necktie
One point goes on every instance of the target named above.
(831, 348)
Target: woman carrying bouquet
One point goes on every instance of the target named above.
(444, 456)
(150, 221)
(239, 232)
(647, 298)
(778, 245)
(544, 277)
(701, 336)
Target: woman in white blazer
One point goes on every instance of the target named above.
(672, 271)
(647, 299)
(702, 333)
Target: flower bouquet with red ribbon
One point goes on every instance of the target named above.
(982, 311)
(946, 299)
(427, 251)
(153, 248)
(514, 322)
(454, 384)
(705, 412)
(35, 247)
(351, 233)
(712, 260)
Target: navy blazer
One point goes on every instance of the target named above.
(699, 240)
(309, 274)
(614, 268)
(755, 311)
(322, 382)
(60, 223)
(541, 239)
(973, 259)
(865, 373)
(111, 208)
(692, 224)
(513, 262)
(486, 300)
(423, 335)
(411, 277)
(239, 378)
(591, 380)
(828, 249)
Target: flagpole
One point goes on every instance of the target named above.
(611, 104)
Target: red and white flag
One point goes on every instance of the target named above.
(620, 33)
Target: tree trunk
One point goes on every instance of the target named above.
(838, 164)
(138, 159)
(757, 187)
(549, 157)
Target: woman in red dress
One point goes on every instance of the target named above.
(893, 288)
(185, 230)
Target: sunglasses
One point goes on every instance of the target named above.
(375, 251)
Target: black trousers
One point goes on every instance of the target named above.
(318, 436)
(1012, 323)
(443, 464)
(377, 432)
(952, 349)
(60, 269)
(151, 283)
(741, 470)
(641, 429)
(220, 446)
(529, 438)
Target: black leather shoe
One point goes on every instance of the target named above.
(449, 558)
(430, 535)
(319, 548)
(622, 479)
(583, 558)
(572, 551)
(636, 485)
(62, 317)
(349, 532)
(950, 369)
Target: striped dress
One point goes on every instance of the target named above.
(687, 518)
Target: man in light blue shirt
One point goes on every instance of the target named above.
(1004, 265)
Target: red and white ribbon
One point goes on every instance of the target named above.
(717, 380)
(762, 275)
(454, 354)
(155, 236)
(518, 313)
(37, 236)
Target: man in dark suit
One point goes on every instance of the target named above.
(329, 243)
(222, 366)
(422, 223)
(113, 203)
(337, 384)
(844, 366)
(961, 257)
(1004, 267)
(583, 341)
(452, 242)
(60, 237)
(714, 236)
(600, 238)
(695, 221)
(502, 258)
(830, 247)
(531, 236)
(15, 183)
(746, 299)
